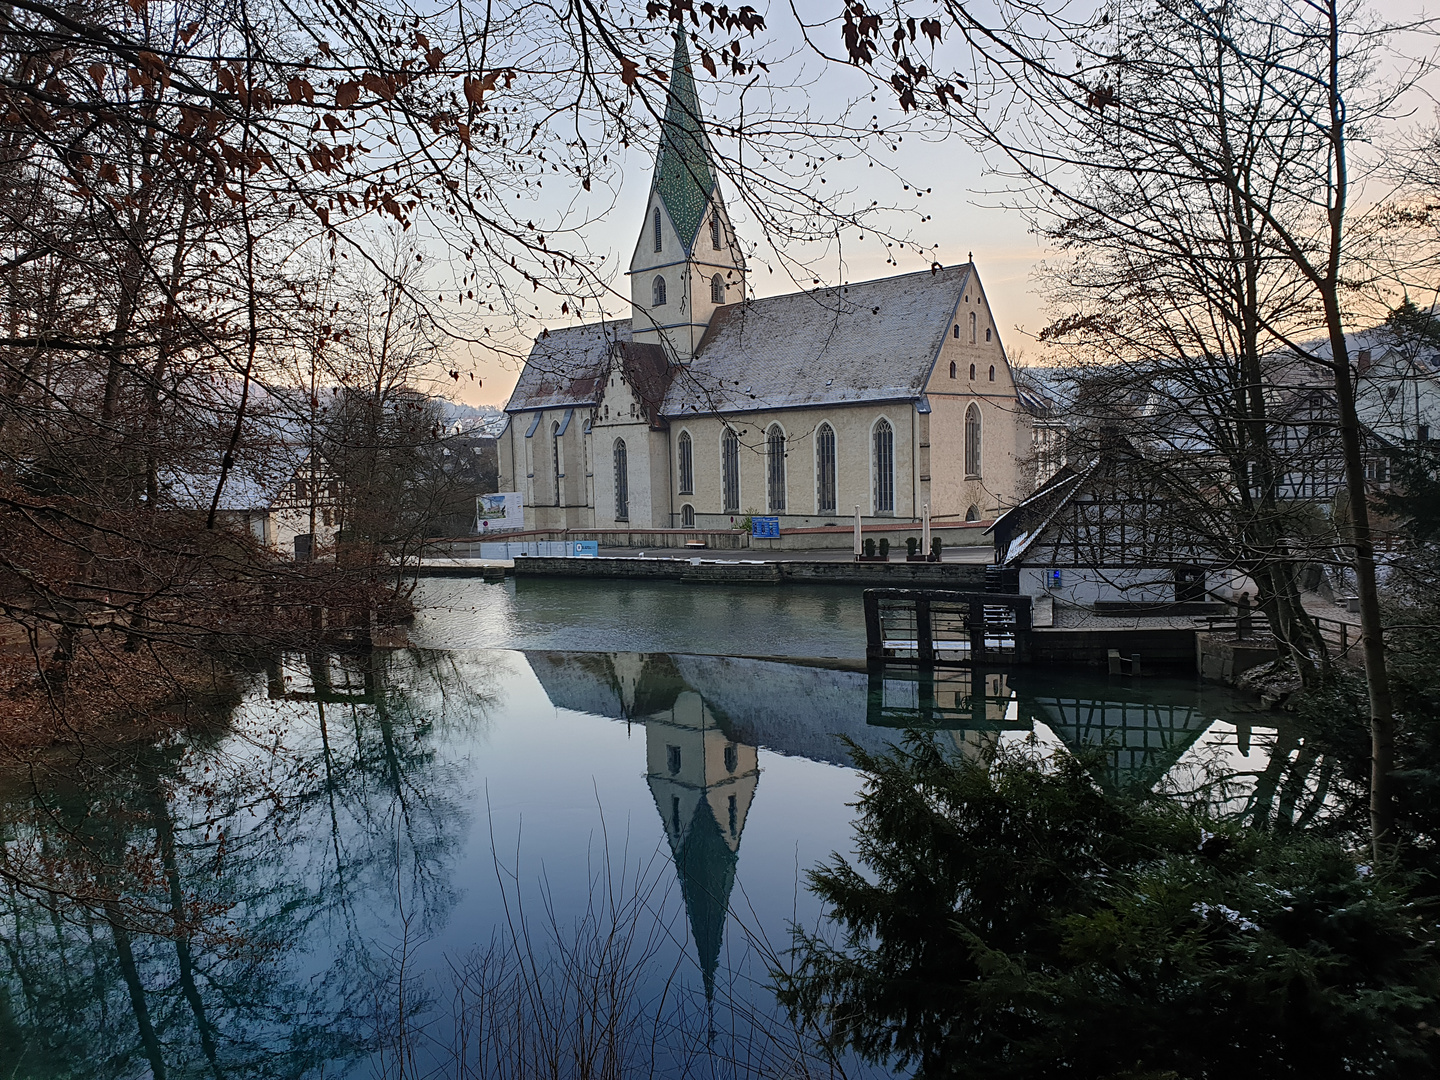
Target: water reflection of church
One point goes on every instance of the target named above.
(705, 716)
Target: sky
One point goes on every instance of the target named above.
(965, 205)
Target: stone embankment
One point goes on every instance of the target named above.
(736, 572)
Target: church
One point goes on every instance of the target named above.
(709, 405)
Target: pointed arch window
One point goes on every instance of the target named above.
(972, 323)
(622, 482)
(973, 514)
(953, 368)
(884, 440)
(687, 464)
(717, 289)
(714, 231)
(972, 371)
(992, 372)
(657, 291)
(657, 228)
(730, 470)
(775, 468)
(825, 469)
(972, 441)
(687, 516)
(558, 462)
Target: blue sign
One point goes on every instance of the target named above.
(765, 528)
(584, 549)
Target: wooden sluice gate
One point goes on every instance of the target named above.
(938, 628)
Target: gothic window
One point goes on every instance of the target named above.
(657, 290)
(992, 372)
(687, 516)
(775, 467)
(972, 327)
(717, 289)
(657, 228)
(972, 440)
(956, 329)
(730, 470)
(973, 514)
(953, 368)
(825, 469)
(687, 465)
(987, 333)
(884, 468)
(622, 482)
(732, 758)
(714, 231)
(972, 371)
(558, 462)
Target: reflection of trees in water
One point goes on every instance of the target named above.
(212, 906)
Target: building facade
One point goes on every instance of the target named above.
(708, 405)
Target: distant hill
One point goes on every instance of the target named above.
(472, 419)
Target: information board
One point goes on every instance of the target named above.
(765, 528)
(500, 512)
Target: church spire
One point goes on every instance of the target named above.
(684, 179)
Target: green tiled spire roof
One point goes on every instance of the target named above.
(683, 176)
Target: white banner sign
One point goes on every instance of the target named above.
(501, 512)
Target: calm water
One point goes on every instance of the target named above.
(328, 879)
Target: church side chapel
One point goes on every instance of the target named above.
(709, 405)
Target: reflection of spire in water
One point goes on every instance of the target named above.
(703, 784)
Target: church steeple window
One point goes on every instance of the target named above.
(657, 290)
(657, 228)
(717, 289)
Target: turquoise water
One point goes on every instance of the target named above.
(343, 874)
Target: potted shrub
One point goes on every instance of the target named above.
(869, 549)
(912, 551)
(884, 547)
(935, 545)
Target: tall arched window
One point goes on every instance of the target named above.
(558, 461)
(972, 440)
(972, 371)
(973, 514)
(992, 372)
(657, 228)
(972, 323)
(687, 464)
(622, 482)
(687, 516)
(730, 470)
(825, 469)
(657, 292)
(715, 230)
(717, 289)
(775, 468)
(953, 368)
(884, 440)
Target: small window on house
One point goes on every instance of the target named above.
(956, 329)
(972, 371)
(1422, 433)
(973, 514)
(732, 758)
(972, 328)
(953, 368)
(687, 516)
(717, 289)
(714, 231)
(657, 228)
(987, 333)
(657, 292)
(302, 490)
(672, 759)
(992, 372)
